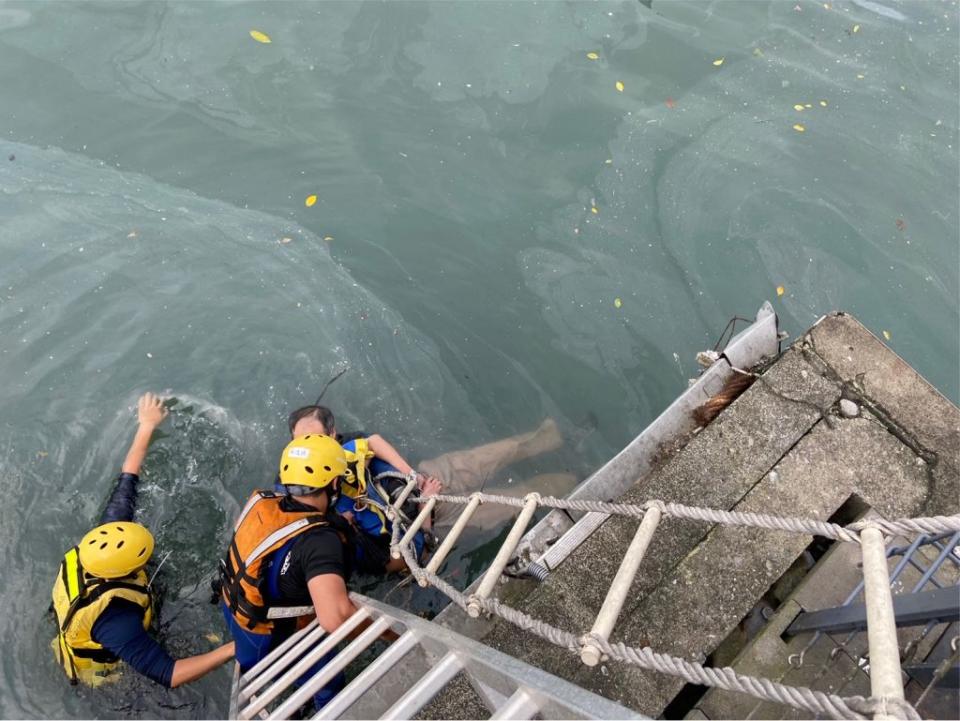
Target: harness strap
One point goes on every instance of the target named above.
(99, 587)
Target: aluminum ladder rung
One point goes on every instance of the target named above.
(515, 688)
(304, 664)
(276, 653)
(423, 691)
(367, 678)
(521, 705)
(331, 669)
(272, 667)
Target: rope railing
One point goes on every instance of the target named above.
(596, 642)
(808, 526)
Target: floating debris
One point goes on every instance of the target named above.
(823, 103)
(886, 335)
(671, 103)
(719, 61)
(619, 86)
(132, 234)
(285, 240)
(608, 161)
(593, 56)
(617, 303)
(260, 37)
(328, 238)
(799, 128)
(310, 201)
(149, 355)
(856, 28)
(213, 637)
(860, 76)
(780, 290)
(593, 209)
(901, 225)
(798, 107)
(757, 53)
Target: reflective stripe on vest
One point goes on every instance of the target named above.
(78, 602)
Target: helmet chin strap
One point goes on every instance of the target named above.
(333, 495)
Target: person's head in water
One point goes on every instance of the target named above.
(311, 419)
(311, 470)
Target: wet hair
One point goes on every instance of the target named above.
(321, 413)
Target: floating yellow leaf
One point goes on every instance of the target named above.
(594, 210)
(758, 52)
(799, 128)
(608, 161)
(719, 61)
(798, 107)
(310, 201)
(886, 334)
(856, 28)
(617, 303)
(823, 103)
(285, 240)
(808, 105)
(780, 290)
(619, 87)
(859, 76)
(213, 638)
(593, 56)
(328, 238)
(260, 37)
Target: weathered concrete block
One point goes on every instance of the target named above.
(716, 469)
(928, 418)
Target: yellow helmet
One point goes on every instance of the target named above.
(114, 550)
(313, 461)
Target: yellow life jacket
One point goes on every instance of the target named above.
(78, 601)
(262, 528)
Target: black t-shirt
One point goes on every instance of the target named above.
(313, 553)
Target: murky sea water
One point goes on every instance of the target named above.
(524, 209)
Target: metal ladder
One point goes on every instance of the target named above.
(404, 677)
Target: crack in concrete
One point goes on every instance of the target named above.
(854, 390)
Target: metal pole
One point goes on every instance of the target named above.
(441, 554)
(503, 555)
(415, 526)
(617, 594)
(886, 680)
